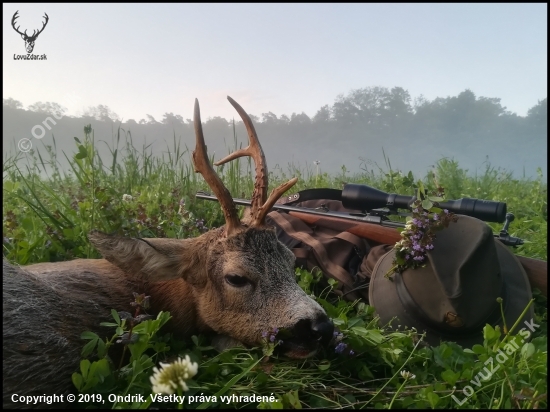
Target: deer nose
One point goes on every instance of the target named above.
(323, 328)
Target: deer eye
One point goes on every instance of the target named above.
(236, 280)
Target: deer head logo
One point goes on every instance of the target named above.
(29, 40)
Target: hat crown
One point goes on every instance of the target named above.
(460, 284)
(455, 294)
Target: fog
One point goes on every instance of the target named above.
(358, 131)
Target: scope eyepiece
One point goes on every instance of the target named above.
(365, 198)
(485, 210)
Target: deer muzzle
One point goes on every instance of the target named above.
(306, 337)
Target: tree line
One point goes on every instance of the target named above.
(355, 131)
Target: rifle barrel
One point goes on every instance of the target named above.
(358, 217)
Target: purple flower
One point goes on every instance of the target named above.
(416, 246)
(351, 352)
(436, 216)
(272, 338)
(335, 333)
(446, 211)
(407, 257)
(264, 335)
(429, 247)
(275, 331)
(415, 210)
(340, 347)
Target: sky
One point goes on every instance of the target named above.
(141, 59)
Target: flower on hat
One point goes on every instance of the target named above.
(419, 233)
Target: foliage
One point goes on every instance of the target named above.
(367, 365)
(419, 233)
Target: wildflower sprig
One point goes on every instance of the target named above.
(419, 233)
(271, 339)
(340, 346)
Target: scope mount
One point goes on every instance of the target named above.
(505, 237)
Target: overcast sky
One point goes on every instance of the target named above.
(155, 58)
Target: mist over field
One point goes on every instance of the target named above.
(355, 131)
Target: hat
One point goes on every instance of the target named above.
(455, 294)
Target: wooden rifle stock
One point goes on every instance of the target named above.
(537, 270)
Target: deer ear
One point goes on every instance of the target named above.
(155, 259)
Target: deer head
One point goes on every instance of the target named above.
(252, 271)
(241, 277)
(29, 40)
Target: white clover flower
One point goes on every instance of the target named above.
(127, 198)
(407, 375)
(172, 376)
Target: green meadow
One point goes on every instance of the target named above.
(48, 212)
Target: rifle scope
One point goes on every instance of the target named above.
(363, 197)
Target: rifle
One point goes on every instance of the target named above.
(372, 208)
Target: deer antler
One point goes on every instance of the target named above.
(203, 166)
(15, 16)
(34, 33)
(43, 26)
(260, 204)
(255, 151)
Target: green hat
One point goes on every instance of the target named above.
(455, 294)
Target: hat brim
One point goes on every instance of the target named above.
(383, 297)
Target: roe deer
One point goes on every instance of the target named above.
(235, 281)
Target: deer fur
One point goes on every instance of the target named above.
(234, 282)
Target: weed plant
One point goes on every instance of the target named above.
(48, 212)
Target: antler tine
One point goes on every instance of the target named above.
(202, 166)
(254, 150)
(273, 197)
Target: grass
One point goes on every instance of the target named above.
(48, 212)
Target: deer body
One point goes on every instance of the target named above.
(236, 281)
